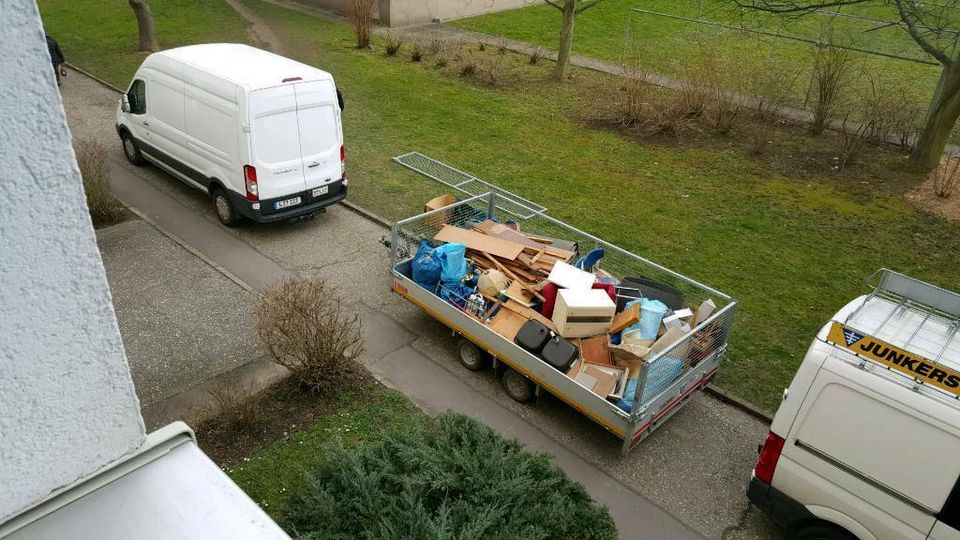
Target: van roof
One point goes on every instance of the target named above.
(912, 315)
(243, 64)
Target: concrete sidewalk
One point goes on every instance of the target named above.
(696, 466)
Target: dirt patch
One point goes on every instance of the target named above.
(261, 32)
(924, 198)
(279, 410)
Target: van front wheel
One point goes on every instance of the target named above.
(822, 531)
(131, 150)
(226, 213)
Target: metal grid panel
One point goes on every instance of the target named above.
(710, 336)
(468, 184)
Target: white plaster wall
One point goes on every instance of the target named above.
(67, 404)
(396, 13)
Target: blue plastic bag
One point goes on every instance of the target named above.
(453, 262)
(426, 267)
(660, 375)
(651, 315)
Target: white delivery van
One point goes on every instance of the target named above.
(258, 132)
(866, 443)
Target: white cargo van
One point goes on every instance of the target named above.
(866, 443)
(258, 132)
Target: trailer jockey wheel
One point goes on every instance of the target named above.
(472, 357)
(518, 387)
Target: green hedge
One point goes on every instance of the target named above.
(453, 477)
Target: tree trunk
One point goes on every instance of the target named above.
(562, 69)
(148, 41)
(943, 113)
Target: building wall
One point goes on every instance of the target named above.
(67, 404)
(409, 12)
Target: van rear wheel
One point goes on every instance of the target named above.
(131, 150)
(222, 205)
(821, 531)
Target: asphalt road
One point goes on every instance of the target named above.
(688, 476)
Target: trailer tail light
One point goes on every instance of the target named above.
(250, 180)
(343, 159)
(769, 455)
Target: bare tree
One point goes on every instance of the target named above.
(148, 38)
(928, 24)
(570, 10)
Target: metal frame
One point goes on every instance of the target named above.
(701, 350)
(510, 202)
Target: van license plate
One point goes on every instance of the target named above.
(320, 191)
(286, 204)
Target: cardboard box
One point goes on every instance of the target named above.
(440, 218)
(596, 350)
(604, 381)
(583, 313)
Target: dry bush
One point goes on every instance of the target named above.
(441, 60)
(855, 134)
(723, 105)
(437, 46)
(468, 68)
(306, 329)
(946, 176)
(895, 115)
(416, 55)
(771, 88)
(234, 411)
(392, 44)
(502, 48)
(92, 161)
(830, 76)
(361, 16)
(535, 56)
(482, 46)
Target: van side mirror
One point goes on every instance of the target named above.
(125, 104)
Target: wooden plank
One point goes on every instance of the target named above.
(625, 318)
(511, 274)
(507, 323)
(596, 350)
(516, 292)
(528, 313)
(480, 242)
(501, 231)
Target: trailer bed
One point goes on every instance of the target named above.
(700, 351)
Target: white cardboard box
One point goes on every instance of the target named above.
(583, 313)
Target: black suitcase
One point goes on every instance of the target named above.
(560, 353)
(533, 335)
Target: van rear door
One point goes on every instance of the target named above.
(319, 129)
(276, 142)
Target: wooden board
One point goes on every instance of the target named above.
(596, 350)
(501, 231)
(480, 242)
(528, 313)
(625, 318)
(507, 323)
(517, 293)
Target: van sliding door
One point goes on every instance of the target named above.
(319, 128)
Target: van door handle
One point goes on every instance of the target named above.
(312, 165)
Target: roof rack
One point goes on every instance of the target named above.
(932, 303)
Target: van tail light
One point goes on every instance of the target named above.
(343, 165)
(250, 179)
(769, 455)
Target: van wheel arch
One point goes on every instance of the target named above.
(818, 529)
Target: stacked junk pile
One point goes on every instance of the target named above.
(560, 304)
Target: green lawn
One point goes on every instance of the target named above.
(277, 474)
(113, 54)
(791, 246)
(670, 46)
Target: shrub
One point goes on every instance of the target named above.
(415, 54)
(482, 47)
(361, 15)
(392, 44)
(829, 79)
(234, 411)
(535, 56)
(895, 115)
(437, 45)
(442, 60)
(855, 134)
(946, 176)
(771, 87)
(468, 68)
(452, 477)
(305, 329)
(104, 208)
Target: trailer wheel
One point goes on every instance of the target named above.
(821, 531)
(518, 387)
(472, 357)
